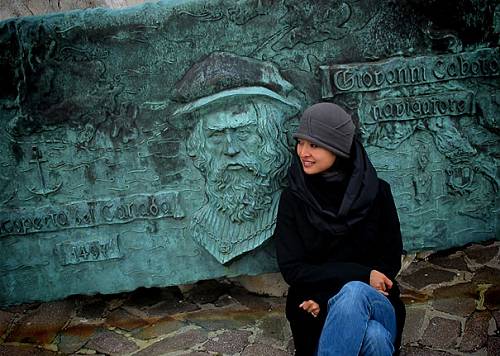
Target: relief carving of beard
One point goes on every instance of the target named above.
(239, 190)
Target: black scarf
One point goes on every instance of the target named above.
(339, 197)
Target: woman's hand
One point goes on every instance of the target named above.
(311, 307)
(380, 282)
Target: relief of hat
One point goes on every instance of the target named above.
(223, 75)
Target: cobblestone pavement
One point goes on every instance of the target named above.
(452, 309)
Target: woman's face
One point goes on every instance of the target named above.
(314, 159)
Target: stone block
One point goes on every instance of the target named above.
(169, 308)
(111, 343)
(262, 349)
(93, 309)
(207, 291)
(455, 261)
(442, 333)
(163, 326)
(487, 274)
(275, 328)
(121, 319)
(482, 254)
(271, 284)
(427, 276)
(229, 342)
(493, 346)
(178, 342)
(228, 318)
(492, 297)
(420, 351)
(23, 350)
(5, 320)
(41, 325)
(415, 316)
(476, 332)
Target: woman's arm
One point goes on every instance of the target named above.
(388, 260)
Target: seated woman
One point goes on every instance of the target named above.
(338, 243)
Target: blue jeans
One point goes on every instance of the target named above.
(360, 321)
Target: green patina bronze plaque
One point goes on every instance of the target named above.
(149, 146)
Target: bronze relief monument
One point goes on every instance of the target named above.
(148, 146)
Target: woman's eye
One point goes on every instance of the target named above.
(313, 145)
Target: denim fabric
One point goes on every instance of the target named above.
(360, 321)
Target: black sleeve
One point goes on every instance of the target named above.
(391, 244)
(293, 262)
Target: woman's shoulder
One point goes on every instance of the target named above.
(383, 185)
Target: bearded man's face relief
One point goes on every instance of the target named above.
(236, 180)
(242, 153)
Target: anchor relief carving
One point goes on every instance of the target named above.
(44, 191)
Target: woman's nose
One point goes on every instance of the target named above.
(303, 151)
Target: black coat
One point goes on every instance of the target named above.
(316, 263)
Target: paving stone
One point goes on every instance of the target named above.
(250, 301)
(183, 341)
(410, 296)
(146, 297)
(413, 324)
(290, 347)
(260, 349)
(170, 308)
(69, 343)
(265, 284)
(223, 319)
(41, 325)
(162, 327)
(121, 319)
(93, 309)
(441, 333)
(225, 300)
(492, 297)
(481, 254)
(229, 342)
(207, 291)
(111, 343)
(456, 261)
(5, 320)
(496, 315)
(459, 299)
(487, 274)
(458, 305)
(418, 351)
(427, 276)
(9, 350)
(21, 308)
(275, 328)
(493, 346)
(476, 332)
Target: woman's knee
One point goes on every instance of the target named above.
(351, 293)
(352, 290)
(377, 340)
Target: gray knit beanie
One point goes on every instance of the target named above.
(328, 126)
